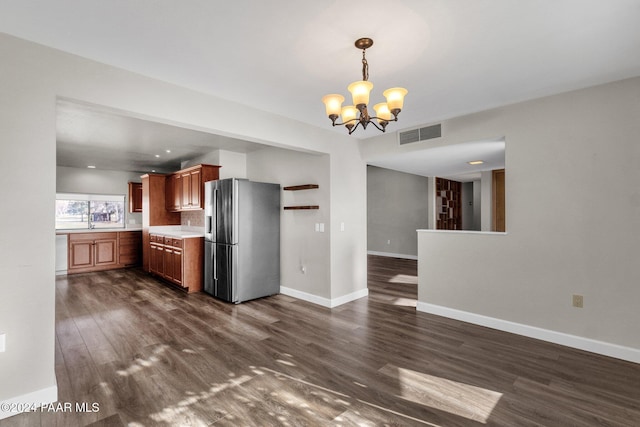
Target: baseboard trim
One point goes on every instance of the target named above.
(599, 347)
(30, 400)
(349, 297)
(325, 302)
(392, 255)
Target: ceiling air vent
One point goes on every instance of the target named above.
(420, 134)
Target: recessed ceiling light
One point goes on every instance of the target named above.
(168, 151)
(476, 162)
(153, 170)
(157, 155)
(91, 167)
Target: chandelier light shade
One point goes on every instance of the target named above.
(333, 104)
(357, 114)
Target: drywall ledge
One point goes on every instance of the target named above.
(599, 347)
(392, 255)
(491, 233)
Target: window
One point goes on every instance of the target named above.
(85, 211)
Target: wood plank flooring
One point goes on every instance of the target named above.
(149, 355)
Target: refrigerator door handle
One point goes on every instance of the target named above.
(215, 266)
(209, 225)
(214, 218)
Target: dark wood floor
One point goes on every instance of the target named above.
(149, 355)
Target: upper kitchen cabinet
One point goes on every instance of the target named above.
(135, 197)
(153, 202)
(185, 188)
(173, 194)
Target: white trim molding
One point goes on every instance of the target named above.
(325, 302)
(29, 401)
(599, 347)
(392, 255)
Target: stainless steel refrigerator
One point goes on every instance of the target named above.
(242, 239)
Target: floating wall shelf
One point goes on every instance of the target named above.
(298, 208)
(298, 188)
(301, 187)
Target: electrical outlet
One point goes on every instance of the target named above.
(578, 301)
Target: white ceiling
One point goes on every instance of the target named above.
(454, 57)
(449, 161)
(89, 135)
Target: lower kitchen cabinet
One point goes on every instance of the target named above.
(130, 248)
(92, 252)
(177, 261)
(156, 256)
(97, 251)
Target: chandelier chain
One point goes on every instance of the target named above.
(365, 67)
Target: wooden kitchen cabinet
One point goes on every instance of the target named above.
(106, 251)
(173, 194)
(92, 252)
(156, 256)
(173, 260)
(192, 190)
(97, 251)
(163, 200)
(135, 197)
(177, 261)
(185, 188)
(154, 211)
(80, 255)
(129, 248)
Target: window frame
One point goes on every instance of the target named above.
(119, 199)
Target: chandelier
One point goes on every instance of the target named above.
(357, 114)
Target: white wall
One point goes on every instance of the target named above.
(96, 181)
(397, 206)
(348, 219)
(303, 251)
(573, 221)
(233, 165)
(33, 77)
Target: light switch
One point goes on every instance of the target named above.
(342, 226)
(322, 227)
(3, 338)
(317, 227)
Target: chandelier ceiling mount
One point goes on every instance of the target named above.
(358, 114)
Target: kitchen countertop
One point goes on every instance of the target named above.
(96, 230)
(163, 230)
(177, 231)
